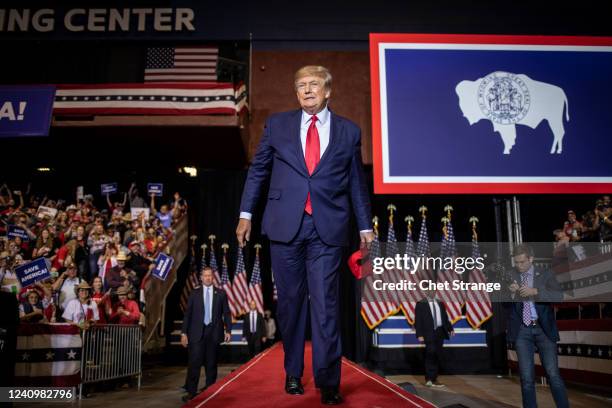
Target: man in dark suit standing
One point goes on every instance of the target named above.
(254, 329)
(311, 158)
(432, 328)
(206, 324)
(532, 324)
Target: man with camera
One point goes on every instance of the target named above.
(532, 325)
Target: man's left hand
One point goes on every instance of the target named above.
(528, 292)
(228, 337)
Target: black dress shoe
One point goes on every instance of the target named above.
(293, 385)
(187, 397)
(330, 396)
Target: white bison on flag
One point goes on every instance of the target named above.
(508, 99)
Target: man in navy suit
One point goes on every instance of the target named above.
(532, 324)
(206, 324)
(311, 159)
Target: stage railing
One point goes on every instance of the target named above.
(111, 351)
(155, 290)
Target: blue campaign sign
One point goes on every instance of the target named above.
(491, 114)
(15, 231)
(108, 188)
(26, 110)
(32, 272)
(163, 265)
(155, 188)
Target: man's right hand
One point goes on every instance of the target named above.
(184, 340)
(243, 231)
(421, 339)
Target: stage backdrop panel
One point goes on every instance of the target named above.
(491, 114)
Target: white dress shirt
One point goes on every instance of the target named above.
(435, 313)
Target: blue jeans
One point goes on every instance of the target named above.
(526, 341)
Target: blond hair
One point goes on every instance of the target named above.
(316, 71)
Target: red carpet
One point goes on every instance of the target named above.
(260, 384)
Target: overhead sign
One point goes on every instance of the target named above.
(490, 114)
(25, 110)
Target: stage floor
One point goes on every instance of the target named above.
(161, 388)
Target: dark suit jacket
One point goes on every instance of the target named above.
(193, 322)
(549, 291)
(260, 330)
(423, 320)
(337, 182)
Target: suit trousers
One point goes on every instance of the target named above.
(255, 345)
(202, 351)
(433, 354)
(306, 273)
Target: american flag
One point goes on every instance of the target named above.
(255, 292)
(423, 249)
(414, 296)
(227, 285)
(453, 300)
(240, 286)
(48, 355)
(192, 281)
(402, 298)
(376, 305)
(184, 64)
(214, 266)
(478, 308)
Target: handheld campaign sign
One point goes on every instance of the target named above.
(48, 212)
(26, 110)
(156, 189)
(136, 211)
(490, 114)
(15, 231)
(108, 188)
(163, 265)
(32, 272)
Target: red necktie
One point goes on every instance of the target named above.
(313, 153)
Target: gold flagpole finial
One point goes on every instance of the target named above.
(423, 211)
(257, 248)
(225, 246)
(474, 221)
(392, 208)
(375, 222)
(409, 219)
(448, 209)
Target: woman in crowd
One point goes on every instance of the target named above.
(97, 242)
(82, 311)
(45, 245)
(35, 310)
(101, 298)
(125, 311)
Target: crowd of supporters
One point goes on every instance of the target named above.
(99, 257)
(593, 226)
